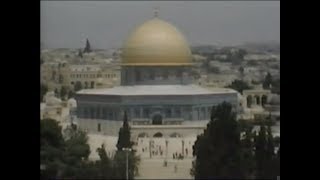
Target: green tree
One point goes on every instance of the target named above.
(51, 148)
(267, 81)
(64, 154)
(265, 157)
(80, 53)
(124, 141)
(63, 92)
(70, 94)
(77, 86)
(87, 49)
(43, 91)
(218, 149)
(248, 153)
(104, 165)
(241, 70)
(239, 85)
(56, 93)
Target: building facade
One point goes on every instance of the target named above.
(156, 87)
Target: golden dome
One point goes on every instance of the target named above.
(156, 43)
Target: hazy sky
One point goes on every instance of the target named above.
(107, 24)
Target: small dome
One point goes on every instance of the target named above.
(72, 103)
(156, 42)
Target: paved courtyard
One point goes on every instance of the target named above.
(155, 169)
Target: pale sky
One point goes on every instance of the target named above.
(108, 23)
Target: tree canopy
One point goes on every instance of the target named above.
(239, 85)
(64, 154)
(124, 141)
(77, 86)
(228, 150)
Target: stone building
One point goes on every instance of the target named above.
(156, 89)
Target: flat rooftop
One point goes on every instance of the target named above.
(157, 90)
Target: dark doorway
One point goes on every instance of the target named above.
(249, 101)
(157, 119)
(264, 100)
(257, 100)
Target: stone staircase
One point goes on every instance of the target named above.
(154, 169)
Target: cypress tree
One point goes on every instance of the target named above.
(124, 135)
(124, 141)
(87, 49)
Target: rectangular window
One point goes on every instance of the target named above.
(104, 113)
(168, 113)
(177, 112)
(137, 113)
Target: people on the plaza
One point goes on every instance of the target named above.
(173, 155)
(175, 168)
(165, 163)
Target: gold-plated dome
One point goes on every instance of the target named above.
(156, 43)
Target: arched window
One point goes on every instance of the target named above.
(143, 134)
(264, 100)
(158, 134)
(249, 101)
(257, 99)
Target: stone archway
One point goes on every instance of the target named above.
(157, 119)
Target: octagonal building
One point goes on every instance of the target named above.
(156, 87)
